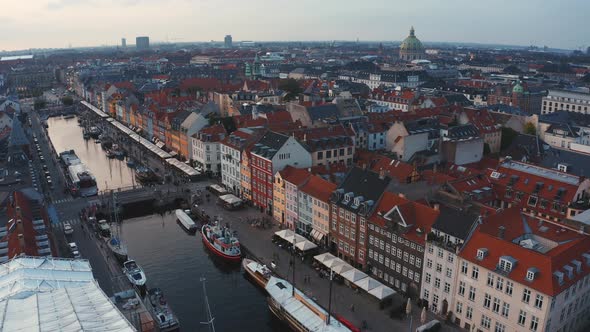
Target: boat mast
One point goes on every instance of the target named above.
(207, 308)
(330, 297)
(293, 260)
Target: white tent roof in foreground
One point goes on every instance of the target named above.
(53, 294)
(381, 292)
(368, 283)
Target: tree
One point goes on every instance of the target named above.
(39, 104)
(529, 129)
(291, 87)
(508, 136)
(67, 101)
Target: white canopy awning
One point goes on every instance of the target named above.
(230, 199)
(186, 169)
(339, 269)
(284, 233)
(305, 245)
(354, 275)
(368, 283)
(323, 257)
(331, 264)
(381, 292)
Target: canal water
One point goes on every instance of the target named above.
(65, 134)
(173, 260)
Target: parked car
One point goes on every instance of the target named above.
(68, 230)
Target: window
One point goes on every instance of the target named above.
(449, 272)
(464, 266)
(500, 327)
(505, 309)
(539, 301)
(526, 295)
(496, 305)
(534, 323)
(440, 253)
(459, 308)
(447, 287)
(430, 249)
(469, 313)
(509, 286)
(461, 290)
(487, 300)
(450, 258)
(471, 293)
(500, 284)
(429, 263)
(475, 272)
(522, 318)
(485, 322)
(490, 279)
(438, 267)
(505, 265)
(437, 282)
(426, 295)
(530, 275)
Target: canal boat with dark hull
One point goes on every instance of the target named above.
(258, 273)
(163, 314)
(298, 311)
(145, 175)
(221, 242)
(118, 249)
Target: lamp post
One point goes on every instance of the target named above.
(409, 312)
(330, 297)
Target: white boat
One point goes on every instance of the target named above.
(186, 221)
(165, 317)
(134, 273)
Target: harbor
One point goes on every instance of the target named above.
(175, 261)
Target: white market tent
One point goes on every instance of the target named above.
(122, 127)
(331, 264)
(95, 109)
(339, 269)
(368, 283)
(53, 294)
(230, 199)
(186, 169)
(284, 233)
(381, 292)
(324, 257)
(354, 275)
(305, 245)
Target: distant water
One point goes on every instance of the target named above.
(175, 261)
(65, 134)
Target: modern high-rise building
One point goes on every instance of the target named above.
(123, 42)
(228, 41)
(142, 43)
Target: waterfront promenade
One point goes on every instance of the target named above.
(258, 242)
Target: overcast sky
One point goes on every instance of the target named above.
(60, 23)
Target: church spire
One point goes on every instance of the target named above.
(412, 31)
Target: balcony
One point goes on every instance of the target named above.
(440, 241)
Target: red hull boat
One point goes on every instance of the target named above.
(221, 242)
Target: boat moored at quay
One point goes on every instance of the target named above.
(187, 222)
(222, 242)
(259, 273)
(81, 180)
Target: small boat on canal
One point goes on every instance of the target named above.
(117, 248)
(165, 317)
(134, 273)
(185, 221)
(259, 273)
(221, 242)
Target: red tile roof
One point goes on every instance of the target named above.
(562, 245)
(318, 188)
(416, 215)
(396, 169)
(296, 176)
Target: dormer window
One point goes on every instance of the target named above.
(578, 265)
(533, 201)
(531, 273)
(347, 198)
(559, 276)
(586, 258)
(482, 253)
(569, 270)
(506, 263)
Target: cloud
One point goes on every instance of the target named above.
(61, 4)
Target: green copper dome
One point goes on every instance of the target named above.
(517, 88)
(411, 43)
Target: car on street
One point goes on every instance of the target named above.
(68, 229)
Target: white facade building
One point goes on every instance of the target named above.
(566, 100)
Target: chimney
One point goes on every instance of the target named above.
(381, 173)
(436, 206)
(21, 242)
(501, 231)
(19, 226)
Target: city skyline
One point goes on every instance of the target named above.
(60, 23)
